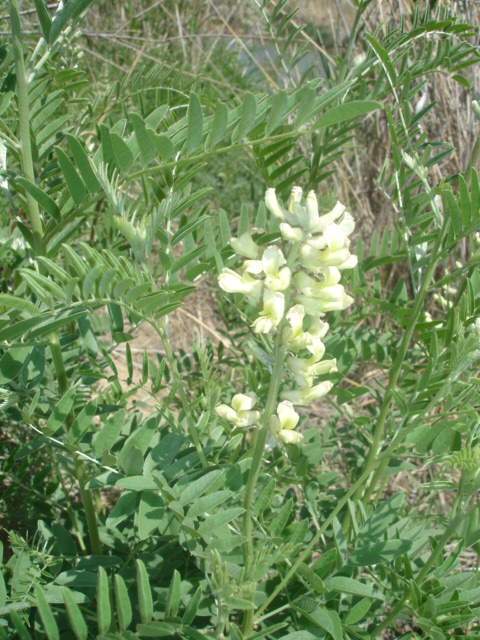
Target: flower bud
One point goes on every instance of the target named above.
(295, 198)
(273, 205)
(311, 206)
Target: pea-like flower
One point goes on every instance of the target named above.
(232, 282)
(320, 258)
(272, 312)
(307, 395)
(240, 412)
(326, 294)
(277, 276)
(305, 370)
(283, 424)
(296, 339)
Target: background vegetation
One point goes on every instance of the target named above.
(136, 138)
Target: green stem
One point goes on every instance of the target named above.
(260, 440)
(38, 248)
(370, 462)
(422, 575)
(270, 404)
(86, 496)
(279, 355)
(309, 548)
(24, 127)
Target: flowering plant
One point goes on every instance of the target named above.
(291, 283)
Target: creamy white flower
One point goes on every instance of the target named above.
(276, 278)
(296, 339)
(293, 337)
(283, 424)
(289, 437)
(320, 296)
(240, 413)
(328, 277)
(350, 263)
(316, 259)
(253, 266)
(332, 238)
(305, 370)
(272, 312)
(347, 224)
(232, 282)
(307, 395)
(245, 246)
(337, 211)
(319, 306)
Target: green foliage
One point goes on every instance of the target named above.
(136, 521)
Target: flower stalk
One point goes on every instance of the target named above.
(291, 283)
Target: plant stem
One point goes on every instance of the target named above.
(260, 440)
(38, 248)
(306, 552)
(86, 496)
(422, 575)
(370, 462)
(278, 362)
(262, 434)
(24, 127)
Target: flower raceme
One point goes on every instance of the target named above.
(292, 283)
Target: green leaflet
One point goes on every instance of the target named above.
(58, 416)
(122, 603)
(104, 611)
(109, 433)
(72, 179)
(75, 617)
(12, 363)
(82, 422)
(173, 596)
(145, 601)
(379, 552)
(342, 584)
(83, 164)
(46, 614)
(347, 111)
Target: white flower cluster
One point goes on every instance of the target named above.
(321, 252)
